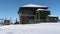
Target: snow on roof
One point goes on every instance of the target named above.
(33, 5)
(52, 15)
(42, 10)
(41, 28)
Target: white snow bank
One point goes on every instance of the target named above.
(33, 5)
(42, 28)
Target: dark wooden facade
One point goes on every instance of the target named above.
(30, 15)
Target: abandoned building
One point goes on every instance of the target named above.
(6, 22)
(31, 13)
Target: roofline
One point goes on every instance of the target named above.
(36, 7)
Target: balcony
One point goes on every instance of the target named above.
(32, 20)
(27, 15)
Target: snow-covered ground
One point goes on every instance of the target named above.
(41, 28)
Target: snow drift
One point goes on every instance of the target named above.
(41, 28)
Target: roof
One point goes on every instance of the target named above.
(42, 10)
(52, 15)
(33, 5)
